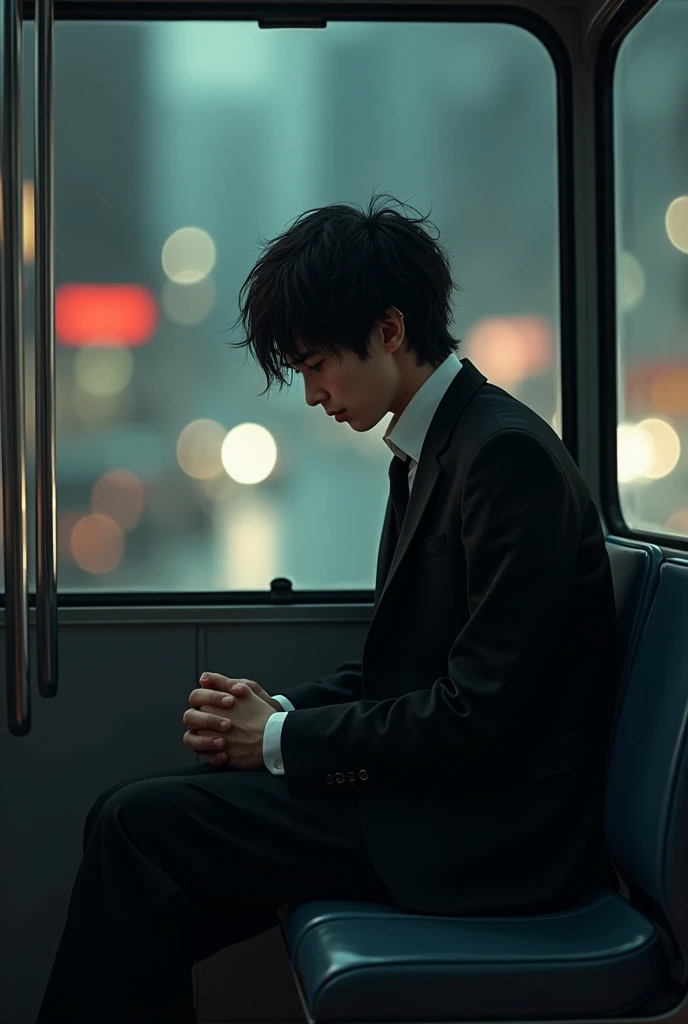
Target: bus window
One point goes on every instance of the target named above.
(651, 161)
(180, 146)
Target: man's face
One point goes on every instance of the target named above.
(365, 390)
(343, 383)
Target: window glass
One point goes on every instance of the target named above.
(651, 157)
(178, 147)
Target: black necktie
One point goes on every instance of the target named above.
(399, 487)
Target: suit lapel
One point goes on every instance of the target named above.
(428, 474)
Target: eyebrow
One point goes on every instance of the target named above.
(304, 357)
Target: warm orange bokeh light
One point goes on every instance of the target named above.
(657, 388)
(97, 544)
(120, 495)
(507, 349)
(105, 314)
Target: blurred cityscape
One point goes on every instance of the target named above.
(180, 145)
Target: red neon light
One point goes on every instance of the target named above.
(105, 314)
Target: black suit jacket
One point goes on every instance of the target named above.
(473, 730)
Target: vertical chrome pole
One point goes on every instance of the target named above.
(46, 519)
(12, 346)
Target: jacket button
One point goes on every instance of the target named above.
(363, 774)
(330, 780)
(339, 777)
(352, 776)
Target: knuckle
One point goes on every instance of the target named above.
(207, 740)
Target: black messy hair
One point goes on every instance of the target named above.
(330, 277)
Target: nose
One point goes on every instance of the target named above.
(314, 396)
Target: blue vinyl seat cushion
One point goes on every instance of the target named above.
(358, 961)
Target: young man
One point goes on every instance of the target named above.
(474, 728)
(456, 767)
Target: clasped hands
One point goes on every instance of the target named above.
(227, 720)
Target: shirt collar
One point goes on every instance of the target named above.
(406, 439)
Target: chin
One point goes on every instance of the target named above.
(361, 425)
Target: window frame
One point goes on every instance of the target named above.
(317, 15)
(606, 173)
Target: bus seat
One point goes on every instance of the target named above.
(635, 574)
(362, 961)
(646, 806)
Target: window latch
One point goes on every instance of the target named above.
(280, 591)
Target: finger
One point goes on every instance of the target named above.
(196, 719)
(216, 697)
(203, 744)
(225, 683)
(219, 756)
(217, 681)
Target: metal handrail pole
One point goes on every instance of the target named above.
(46, 514)
(12, 361)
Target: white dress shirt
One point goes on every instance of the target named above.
(406, 441)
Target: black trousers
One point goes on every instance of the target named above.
(181, 863)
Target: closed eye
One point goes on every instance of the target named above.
(316, 366)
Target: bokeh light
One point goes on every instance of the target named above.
(249, 453)
(666, 447)
(648, 450)
(120, 495)
(103, 372)
(677, 223)
(633, 452)
(631, 285)
(507, 349)
(97, 544)
(199, 449)
(105, 315)
(188, 255)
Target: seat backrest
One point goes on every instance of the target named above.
(646, 806)
(635, 574)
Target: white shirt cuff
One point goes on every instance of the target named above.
(272, 750)
(284, 701)
(272, 737)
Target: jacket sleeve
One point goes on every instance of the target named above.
(342, 685)
(520, 534)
